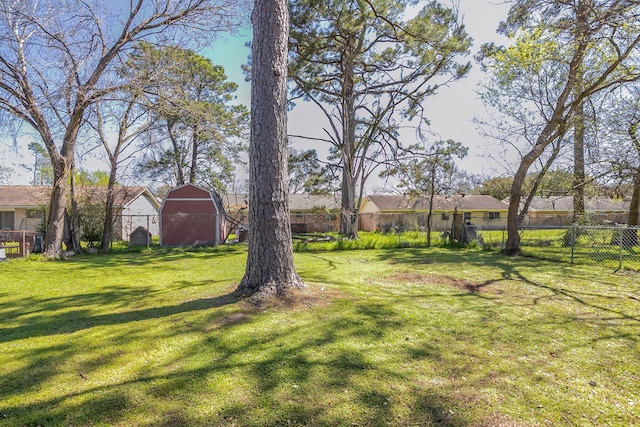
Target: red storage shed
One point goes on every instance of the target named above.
(191, 216)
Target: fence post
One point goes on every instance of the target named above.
(620, 235)
(573, 241)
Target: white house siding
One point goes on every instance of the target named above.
(140, 213)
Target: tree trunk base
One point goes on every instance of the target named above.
(264, 291)
(629, 238)
(511, 251)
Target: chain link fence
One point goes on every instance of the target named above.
(616, 246)
(19, 244)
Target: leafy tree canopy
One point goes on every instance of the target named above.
(202, 128)
(308, 175)
(369, 66)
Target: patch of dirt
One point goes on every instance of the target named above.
(438, 279)
(297, 299)
(631, 273)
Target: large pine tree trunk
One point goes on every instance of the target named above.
(579, 180)
(270, 270)
(349, 220)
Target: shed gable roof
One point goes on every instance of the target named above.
(189, 191)
(189, 198)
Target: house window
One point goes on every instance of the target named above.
(35, 213)
(330, 217)
(467, 216)
(445, 216)
(6, 220)
(494, 215)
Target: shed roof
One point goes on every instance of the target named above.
(394, 203)
(26, 196)
(189, 198)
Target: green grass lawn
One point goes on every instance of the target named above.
(410, 337)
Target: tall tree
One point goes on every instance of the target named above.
(579, 126)
(620, 151)
(42, 174)
(269, 271)
(123, 115)
(5, 174)
(368, 67)
(308, 175)
(430, 171)
(542, 66)
(203, 129)
(57, 58)
(634, 205)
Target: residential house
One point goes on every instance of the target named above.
(25, 207)
(388, 212)
(309, 213)
(558, 210)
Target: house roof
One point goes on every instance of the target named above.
(297, 202)
(234, 202)
(565, 204)
(308, 202)
(393, 203)
(24, 196)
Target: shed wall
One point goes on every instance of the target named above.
(190, 217)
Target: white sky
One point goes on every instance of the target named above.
(455, 107)
(451, 111)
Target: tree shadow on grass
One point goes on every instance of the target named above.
(57, 315)
(164, 255)
(514, 269)
(304, 371)
(354, 361)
